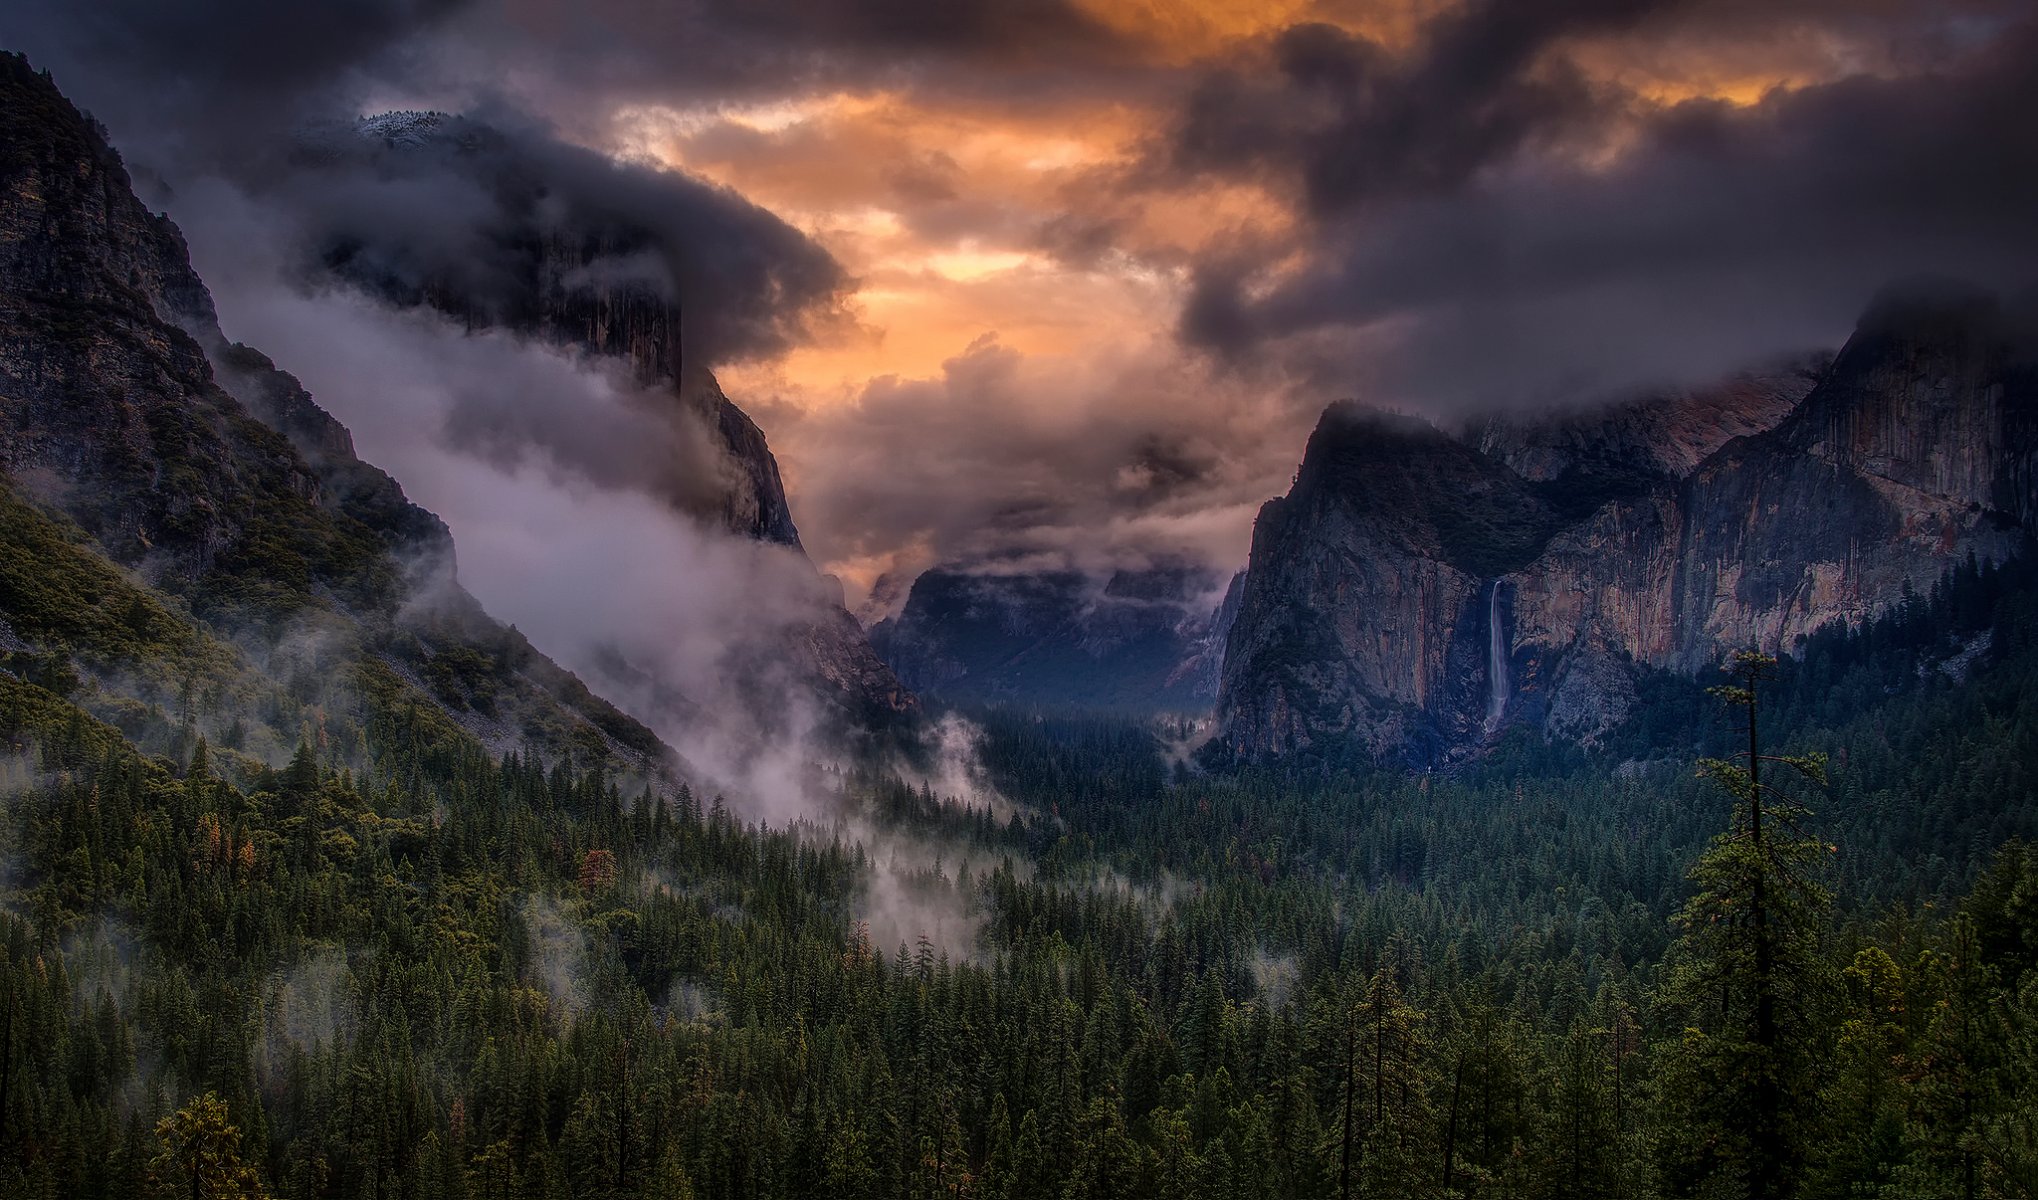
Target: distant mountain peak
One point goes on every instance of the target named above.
(1134, 639)
(405, 128)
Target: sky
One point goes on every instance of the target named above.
(1067, 282)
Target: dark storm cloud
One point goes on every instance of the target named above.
(995, 29)
(496, 222)
(228, 75)
(240, 47)
(1502, 204)
(212, 76)
(584, 58)
(1712, 232)
(506, 226)
(454, 207)
(1356, 122)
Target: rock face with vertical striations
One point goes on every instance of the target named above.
(248, 549)
(572, 251)
(1416, 592)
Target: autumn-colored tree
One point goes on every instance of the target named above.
(198, 1156)
(597, 870)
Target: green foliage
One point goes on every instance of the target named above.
(62, 597)
(199, 1156)
(1747, 986)
(407, 967)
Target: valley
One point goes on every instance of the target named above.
(1632, 795)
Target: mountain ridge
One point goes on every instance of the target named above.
(1133, 640)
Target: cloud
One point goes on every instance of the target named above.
(493, 215)
(1095, 463)
(208, 77)
(1714, 234)
(1188, 231)
(179, 68)
(503, 225)
(1355, 122)
(562, 527)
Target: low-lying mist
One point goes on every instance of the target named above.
(566, 484)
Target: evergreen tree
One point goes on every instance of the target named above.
(1748, 979)
(198, 1156)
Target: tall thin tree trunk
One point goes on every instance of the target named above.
(1767, 1115)
(1344, 1167)
(1451, 1126)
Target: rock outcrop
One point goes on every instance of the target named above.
(1418, 592)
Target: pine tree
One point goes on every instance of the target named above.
(1963, 1073)
(198, 1156)
(999, 1154)
(1863, 1106)
(1386, 1118)
(1747, 979)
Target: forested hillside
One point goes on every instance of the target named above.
(447, 973)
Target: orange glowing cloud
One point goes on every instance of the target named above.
(1043, 222)
(1183, 31)
(940, 213)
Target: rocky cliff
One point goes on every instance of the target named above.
(232, 508)
(570, 255)
(1417, 592)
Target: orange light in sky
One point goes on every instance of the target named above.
(1180, 31)
(962, 217)
(939, 215)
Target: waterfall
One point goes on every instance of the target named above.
(1496, 662)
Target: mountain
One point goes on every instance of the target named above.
(1141, 640)
(564, 265)
(571, 251)
(1417, 592)
(196, 550)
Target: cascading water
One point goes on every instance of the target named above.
(1496, 662)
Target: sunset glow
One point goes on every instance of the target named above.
(1077, 275)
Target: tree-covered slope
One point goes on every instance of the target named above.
(141, 489)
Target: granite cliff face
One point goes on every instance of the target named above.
(1135, 641)
(548, 264)
(236, 507)
(1416, 593)
(585, 268)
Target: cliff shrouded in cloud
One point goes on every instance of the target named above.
(1071, 281)
(1415, 594)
